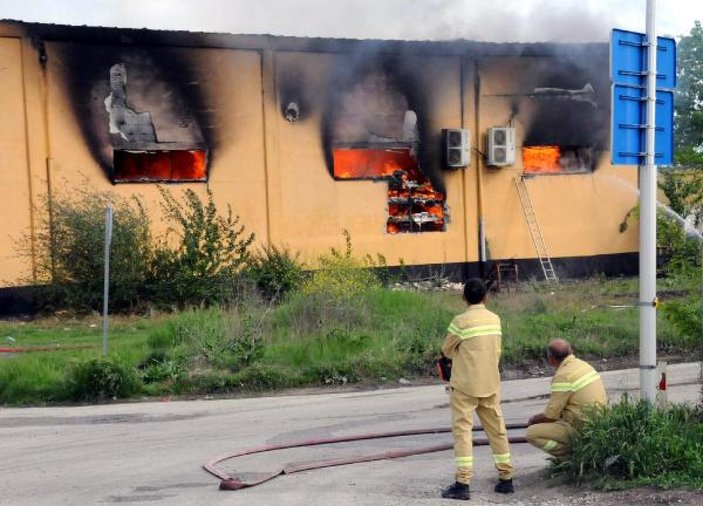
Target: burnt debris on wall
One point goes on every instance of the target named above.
(132, 126)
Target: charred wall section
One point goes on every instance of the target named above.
(377, 98)
(128, 97)
(574, 101)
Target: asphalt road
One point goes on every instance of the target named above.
(150, 453)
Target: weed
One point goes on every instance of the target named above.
(100, 380)
(633, 442)
(158, 367)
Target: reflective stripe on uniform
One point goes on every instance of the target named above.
(577, 385)
(464, 461)
(482, 330)
(549, 445)
(501, 458)
(585, 381)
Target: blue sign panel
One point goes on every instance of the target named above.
(629, 117)
(628, 59)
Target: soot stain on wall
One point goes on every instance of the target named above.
(399, 72)
(159, 79)
(571, 122)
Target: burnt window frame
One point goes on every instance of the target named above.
(156, 149)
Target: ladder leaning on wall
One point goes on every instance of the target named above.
(535, 231)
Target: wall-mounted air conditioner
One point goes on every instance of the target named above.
(457, 147)
(501, 146)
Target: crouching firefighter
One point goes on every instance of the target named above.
(576, 386)
(473, 344)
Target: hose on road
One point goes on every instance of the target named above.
(229, 482)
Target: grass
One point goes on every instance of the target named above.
(40, 377)
(317, 338)
(632, 444)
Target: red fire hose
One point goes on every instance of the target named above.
(32, 349)
(229, 482)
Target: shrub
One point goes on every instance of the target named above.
(210, 249)
(70, 251)
(636, 443)
(341, 276)
(685, 315)
(683, 251)
(101, 379)
(276, 272)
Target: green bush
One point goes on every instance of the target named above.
(685, 315)
(203, 252)
(276, 272)
(100, 380)
(70, 251)
(341, 276)
(683, 252)
(196, 263)
(633, 443)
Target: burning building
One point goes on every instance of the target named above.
(415, 148)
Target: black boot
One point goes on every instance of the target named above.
(504, 487)
(457, 491)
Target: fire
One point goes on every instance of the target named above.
(174, 165)
(541, 159)
(413, 203)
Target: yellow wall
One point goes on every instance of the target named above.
(15, 201)
(274, 174)
(579, 214)
(309, 209)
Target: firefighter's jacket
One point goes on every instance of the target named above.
(576, 385)
(473, 343)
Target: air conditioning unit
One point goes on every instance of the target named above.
(501, 146)
(457, 147)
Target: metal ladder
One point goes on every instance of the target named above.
(535, 231)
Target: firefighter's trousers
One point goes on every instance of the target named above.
(491, 416)
(554, 438)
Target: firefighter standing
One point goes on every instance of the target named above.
(575, 386)
(473, 343)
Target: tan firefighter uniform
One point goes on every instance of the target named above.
(473, 343)
(576, 385)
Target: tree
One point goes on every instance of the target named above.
(688, 127)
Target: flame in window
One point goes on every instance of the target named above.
(158, 165)
(541, 159)
(413, 204)
(550, 159)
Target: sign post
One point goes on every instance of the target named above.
(106, 278)
(648, 226)
(643, 73)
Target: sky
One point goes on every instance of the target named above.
(480, 20)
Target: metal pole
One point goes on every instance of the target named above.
(648, 227)
(106, 277)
